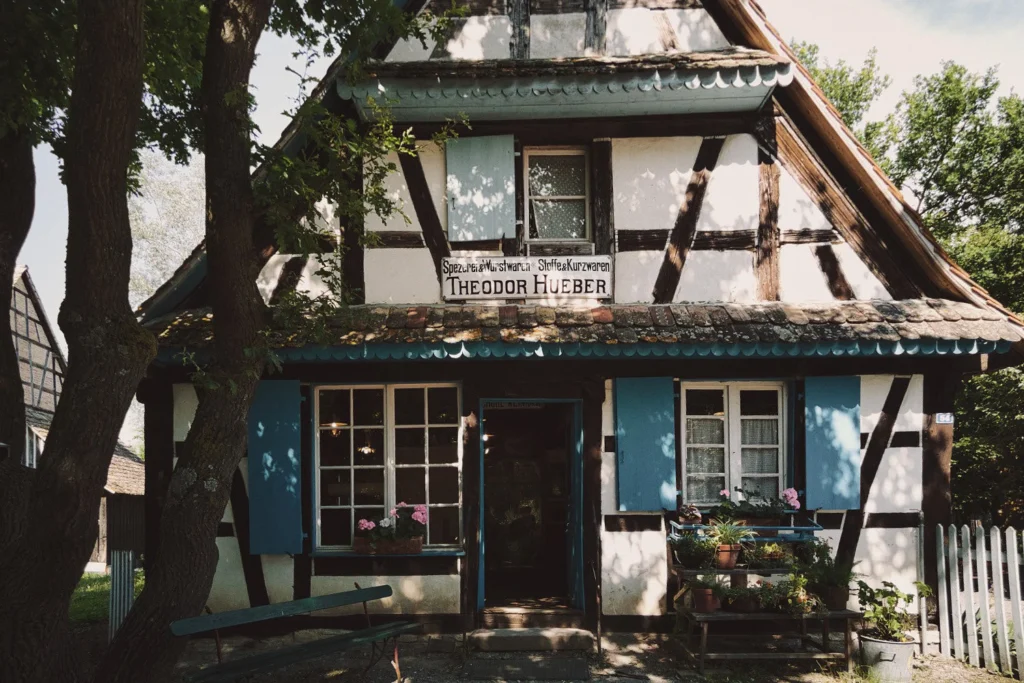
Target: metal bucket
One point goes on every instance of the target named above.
(889, 661)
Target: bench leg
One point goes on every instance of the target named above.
(825, 636)
(848, 647)
(703, 647)
(394, 663)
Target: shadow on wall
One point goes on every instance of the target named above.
(635, 573)
(483, 37)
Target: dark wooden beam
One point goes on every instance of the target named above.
(582, 131)
(766, 262)
(808, 236)
(252, 565)
(837, 282)
(302, 564)
(642, 240)
(656, 4)
(796, 156)
(470, 8)
(519, 15)
(724, 240)
(482, 245)
(685, 227)
(517, 246)
(602, 210)
(593, 397)
(426, 213)
(563, 249)
(937, 453)
(288, 280)
(158, 433)
(395, 239)
(556, 6)
(666, 33)
(595, 38)
(352, 253)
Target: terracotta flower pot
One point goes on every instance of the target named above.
(743, 605)
(835, 597)
(727, 556)
(398, 546)
(704, 600)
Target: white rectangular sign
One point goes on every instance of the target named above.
(526, 277)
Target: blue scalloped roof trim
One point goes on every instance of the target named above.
(459, 350)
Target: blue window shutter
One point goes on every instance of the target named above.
(832, 424)
(481, 188)
(275, 505)
(645, 436)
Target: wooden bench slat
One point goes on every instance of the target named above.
(220, 620)
(264, 661)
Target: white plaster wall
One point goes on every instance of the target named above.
(718, 276)
(557, 35)
(228, 591)
(650, 176)
(800, 276)
(897, 486)
(888, 555)
(797, 211)
(185, 404)
(279, 574)
(634, 572)
(400, 276)
(412, 594)
(732, 200)
(633, 31)
(873, 391)
(609, 479)
(432, 159)
(635, 273)
(484, 37)
(695, 30)
(412, 49)
(404, 216)
(865, 283)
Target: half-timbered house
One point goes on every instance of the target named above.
(657, 266)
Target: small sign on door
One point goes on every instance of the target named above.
(944, 418)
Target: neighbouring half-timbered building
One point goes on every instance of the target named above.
(657, 266)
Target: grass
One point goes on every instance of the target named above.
(91, 600)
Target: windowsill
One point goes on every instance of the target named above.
(426, 552)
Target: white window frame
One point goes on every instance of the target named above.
(557, 151)
(389, 453)
(733, 442)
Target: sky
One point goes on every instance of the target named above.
(912, 37)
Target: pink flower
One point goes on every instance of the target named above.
(394, 512)
(420, 516)
(796, 504)
(402, 505)
(420, 508)
(366, 525)
(724, 493)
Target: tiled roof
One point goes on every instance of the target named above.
(764, 323)
(126, 474)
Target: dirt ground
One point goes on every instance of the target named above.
(626, 658)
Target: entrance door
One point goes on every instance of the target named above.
(531, 495)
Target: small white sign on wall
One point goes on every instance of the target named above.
(944, 418)
(526, 277)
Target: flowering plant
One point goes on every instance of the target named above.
(403, 521)
(755, 505)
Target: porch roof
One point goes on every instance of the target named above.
(852, 328)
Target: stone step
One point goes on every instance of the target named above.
(522, 669)
(531, 639)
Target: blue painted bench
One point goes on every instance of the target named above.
(375, 636)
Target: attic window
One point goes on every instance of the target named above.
(557, 194)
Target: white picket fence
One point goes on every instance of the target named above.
(973, 573)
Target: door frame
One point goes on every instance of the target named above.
(576, 591)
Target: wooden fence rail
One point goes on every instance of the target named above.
(978, 621)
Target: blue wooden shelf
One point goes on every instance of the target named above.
(427, 552)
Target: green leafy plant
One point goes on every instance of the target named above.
(754, 505)
(822, 570)
(404, 521)
(767, 556)
(693, 551)
(712, 583)
(887, 608)
(728, 533)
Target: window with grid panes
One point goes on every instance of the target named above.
(384, 445)
(557, 194)
(732, 436)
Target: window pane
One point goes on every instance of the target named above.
(336, 527)
(369, 486)
(705, 402)
(368, 406)
(704, 490)
(335, 487)
(763, 487)
(705, 460)
(335, 447)
(334, 408)
(444, 485)
(371, 514)
(705, 431)
(558, 219)
(369, 447)
(410, 446)
(444, 445)
(443, 404)
(409, 408)
(410, 485)
(758, 432)
(760, 460)
(764, 402)
(444, 525)
(558, 175)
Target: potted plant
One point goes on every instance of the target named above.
(706, 595)
(828, 579)
(771, 596)
(766, 556)
(694, 551)
(400, 533)
(755, 509)
(885, 648)
(742, 599)
(728, 536)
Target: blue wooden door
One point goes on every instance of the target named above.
(574, 526)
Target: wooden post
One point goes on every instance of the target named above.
(1005, 664)
(158, 433)
(954, 595)
(1013, 575)
(937, 451)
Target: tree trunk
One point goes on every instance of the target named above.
(17, 204)
(108, 350)
(178, 582)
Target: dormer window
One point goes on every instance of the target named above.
(557, 194)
